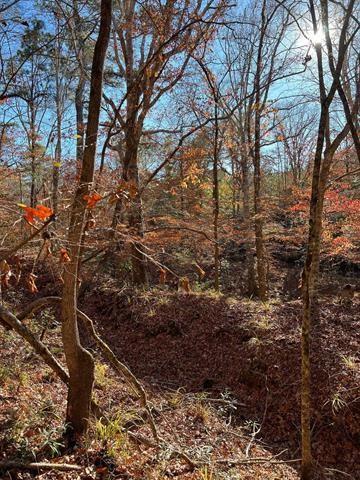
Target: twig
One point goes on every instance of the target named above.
(192, 463)
(93, 255)
(256, 460)
(339, 471)
(255, 432)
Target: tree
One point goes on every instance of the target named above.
(79, 361)
(31, 107)
(326, 148)
(252, 75)
(167, 36)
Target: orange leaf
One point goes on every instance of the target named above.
(92, 199)
(162, 276)
(30, 283)
(40, 212)
(64, 256)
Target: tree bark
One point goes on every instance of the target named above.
(249, 257)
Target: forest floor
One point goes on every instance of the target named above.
(223, 378)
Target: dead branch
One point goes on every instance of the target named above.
(173, 227)
(37, 231)
(64, 467)
(109, 355)
(140, 439)
(37, 305)
(180, 454)
(121, 368)
(152, 260)
(8, 319)
(336, 179)
(255, 460)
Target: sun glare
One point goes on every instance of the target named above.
(318, 37)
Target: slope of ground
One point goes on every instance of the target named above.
(201, 425)
(223, 376)
(252, 353)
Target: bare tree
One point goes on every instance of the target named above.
(79, 361)
(326, 147)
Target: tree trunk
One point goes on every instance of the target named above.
(259, 234)
(79, 108)
(32, 145)
(57, 162)
(216, 196)
(80, 87)
(79, 361)
(135, 213)
(256, 156)
(249, 257)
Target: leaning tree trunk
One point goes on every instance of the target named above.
(79, 361)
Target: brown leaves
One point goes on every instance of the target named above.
(184, 285)
(10, 275)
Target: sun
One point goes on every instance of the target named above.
(318, 37)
